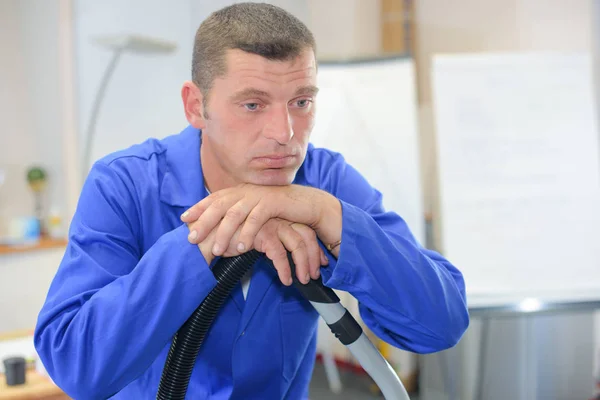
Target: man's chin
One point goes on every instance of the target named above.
(274, 177)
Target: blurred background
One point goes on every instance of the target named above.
(477, 119)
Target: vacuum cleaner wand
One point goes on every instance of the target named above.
(348, 331)
(228, 271)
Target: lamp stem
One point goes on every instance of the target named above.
(91, 129)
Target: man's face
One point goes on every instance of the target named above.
(260, 116)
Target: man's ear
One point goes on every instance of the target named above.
(192, 104)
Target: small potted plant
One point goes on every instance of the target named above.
(37, 181)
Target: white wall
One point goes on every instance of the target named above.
(346, 29)
(29, 110)
(24, 282)
(13, 99)
(202, 9)
(15, 124)
(39, 26)
(34, 123)
(143, 97)
(342, 28)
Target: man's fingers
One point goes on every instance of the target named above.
(278, 255)
(234, 217)
(231, 251)
(295, 244)
(206, 247)
(194, 212)
(312, 246)
(252, 225)
(324, 259)
(200, 229)
(209, 219)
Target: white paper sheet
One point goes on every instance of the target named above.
(368, 112)
(519, 174)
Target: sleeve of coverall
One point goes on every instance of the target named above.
(410, 296)
(110, 310)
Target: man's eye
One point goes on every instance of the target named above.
(303, 103)
(251, 106)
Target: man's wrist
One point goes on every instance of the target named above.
(329, 227)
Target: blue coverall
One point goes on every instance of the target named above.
(129, 279)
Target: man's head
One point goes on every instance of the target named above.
(252, 92)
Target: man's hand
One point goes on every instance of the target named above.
(275, 238)
(251, 206)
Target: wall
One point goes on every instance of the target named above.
(342, 28)
(36, 103)
(21, 111)
(143, 98)
(13, 99)
(24, 282)
(201, 10)
(346, 29)
(35, 121)
(39, 27)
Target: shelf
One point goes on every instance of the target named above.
(43, 244)
(11, 335)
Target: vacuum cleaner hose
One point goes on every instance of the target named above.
(188, 339)
(228, 271)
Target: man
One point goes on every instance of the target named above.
(241, 176)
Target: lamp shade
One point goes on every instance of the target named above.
(135, 43)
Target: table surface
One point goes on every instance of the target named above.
(36, 387)
(534, 302)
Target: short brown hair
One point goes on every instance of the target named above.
(257, 28)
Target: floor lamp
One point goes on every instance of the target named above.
(119, 45)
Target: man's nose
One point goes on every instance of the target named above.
(279, 126)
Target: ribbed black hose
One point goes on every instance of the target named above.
(188, 339)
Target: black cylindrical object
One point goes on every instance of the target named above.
(14, 369)
(188, 339)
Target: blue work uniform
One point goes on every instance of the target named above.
(129, 279)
